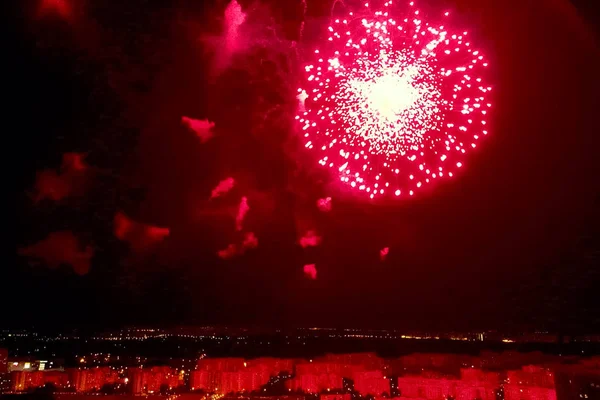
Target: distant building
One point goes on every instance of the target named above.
(371, 382)
(578, 381)
(3, 361)
(25, 380)
(236, 375)
(346, 396)
(26, 364)
(5, 382)
(153, 380)
(313, 383)
(530, 383)
(441, 389)
(93, 379)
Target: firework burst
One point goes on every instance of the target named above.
(393, 105)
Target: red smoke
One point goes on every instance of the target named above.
(56, 186)
(324, 205)
(60, 7)
(139, 236)
(383, 253)
(230, 252)
(202, 128)
(242, 210)
(310, 239)
(222, 187)
(60, 248)
(250, 241)
(310, 271)
(73, 162)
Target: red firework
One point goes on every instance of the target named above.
(393, 105)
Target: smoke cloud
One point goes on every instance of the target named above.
(324, 205)
(56, 186)
(201, 127)
(242, 211)
(61, 248)
(250, 241)
(139, 236)
(222, 187)
(310, 270)
(383, 253)
(310, 239)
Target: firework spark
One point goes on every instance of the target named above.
(394, 104)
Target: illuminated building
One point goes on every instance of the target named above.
(18, 379)
(366, 361)
(208, 381)
(315, 383)
(3, 361)
(515, 392)
(4, 375)
(25, 380)
(440, 389)
(531, 375)
(371, 382)
(274, 366)
(317, 368)
(246, 379)
(153, 380)
(5, 382)
(87, 380)
(335, 397)
(236, 375)
(530, 383)
(475, 375)
(221, 364)
(23, 365)
(579, 381)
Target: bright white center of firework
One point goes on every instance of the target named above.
(389, 95)
(390, 102)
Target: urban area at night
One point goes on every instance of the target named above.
(302, 200)
(215, 363)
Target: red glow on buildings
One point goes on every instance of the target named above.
(152, 380)
(236, 375)
(315, 383)
(371, 382)
(530, 383)
(3, 361)
(86, 380)
(335, 397)
(431, 388)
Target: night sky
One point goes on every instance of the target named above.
(512, 243)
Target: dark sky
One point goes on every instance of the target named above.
(512, 243)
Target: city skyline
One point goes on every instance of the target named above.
(487, 375)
